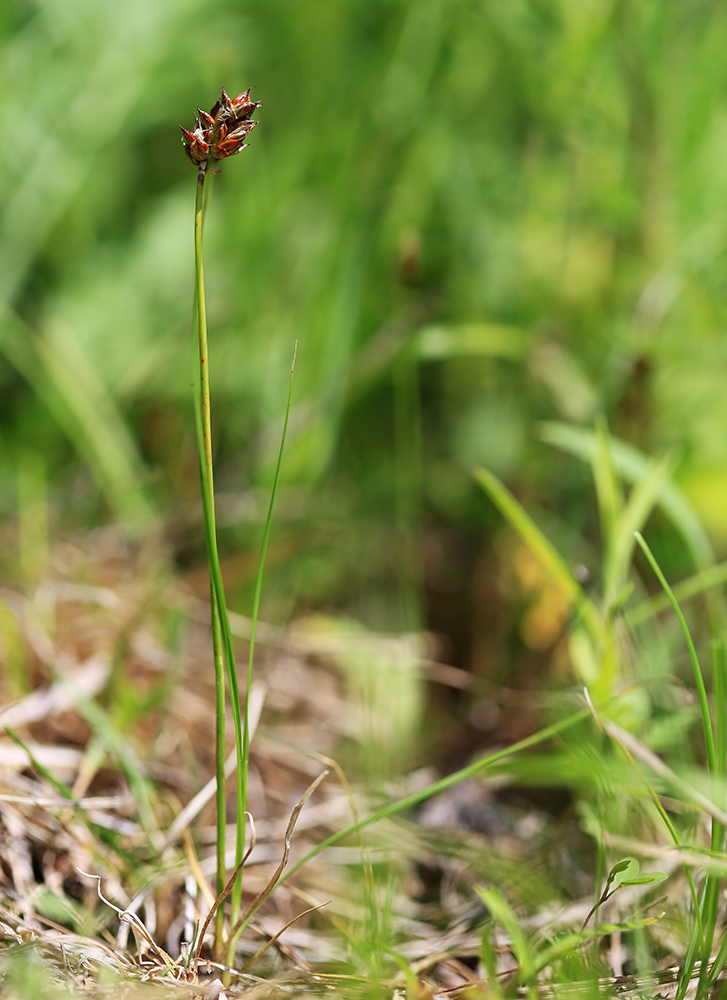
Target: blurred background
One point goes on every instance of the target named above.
(486, 224)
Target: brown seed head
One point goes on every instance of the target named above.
(221, 133)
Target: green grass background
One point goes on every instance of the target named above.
(471, 215)
(474, 216)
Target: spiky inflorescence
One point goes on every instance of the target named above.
(221, 133)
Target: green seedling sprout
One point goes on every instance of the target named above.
(623, 873)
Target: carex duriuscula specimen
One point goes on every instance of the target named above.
(221, 132)
(217, 135)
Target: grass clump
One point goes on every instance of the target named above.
(353, 915)
(532, 879)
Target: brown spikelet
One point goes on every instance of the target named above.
(221, 132)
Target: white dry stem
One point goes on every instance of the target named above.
(264, 893)
(166, 963)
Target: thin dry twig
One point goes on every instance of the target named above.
(264, 893)
(225, 892)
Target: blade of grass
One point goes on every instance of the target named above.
(536, 541)
(716, 881)
(698, 678)
(504, 915)
(243, 771)
(410, 977)
(42, 770)
(632, 517)
(409, 801)
(714, 576)
(630, 463)
(224, 658)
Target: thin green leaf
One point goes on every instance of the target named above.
(698, 678)
(648, 878)
(631, 519)
(503, 913)
(626, 868)
(243, 773)
(632, 464)
(541, 547)
(409, 801)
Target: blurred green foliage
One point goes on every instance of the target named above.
(471, 214)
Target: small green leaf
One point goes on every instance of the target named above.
(629, 925)
(648, 878)
(625, 869)
(504, 914)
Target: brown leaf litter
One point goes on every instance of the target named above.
(109, 691)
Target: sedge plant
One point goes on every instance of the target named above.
(217, 135)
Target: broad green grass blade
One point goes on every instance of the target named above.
(608, 492)
(632, 465)
(705, 580)
(410, 801)
(632, 518)
(504, 914)
(698, 678)
(243, 771)
(544, 551)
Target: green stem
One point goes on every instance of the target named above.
(237, 891)
(208, 491)
(223, 649)
(698, 678)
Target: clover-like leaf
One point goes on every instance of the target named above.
(647, 878)
(627, 868)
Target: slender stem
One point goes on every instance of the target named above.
(204, 380)
(698, 678)
(205, 427)
(243, 773)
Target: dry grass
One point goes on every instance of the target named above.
(108, 686)
(107, 683)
